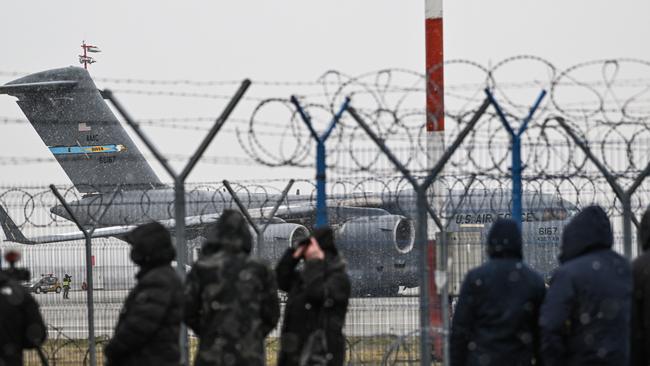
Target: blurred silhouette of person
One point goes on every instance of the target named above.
(148, 328)
(21, 324)
(231, 299)
(317, 302)
(585, 318)
(641, 297)
(495, 320)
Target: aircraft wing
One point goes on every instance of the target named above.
(285, 212)
(306, 210)
(14, 234)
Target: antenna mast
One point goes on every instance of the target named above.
(85, 59)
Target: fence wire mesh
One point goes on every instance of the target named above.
(371, 207)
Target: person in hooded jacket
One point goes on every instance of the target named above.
(495, 320)
(21, 324)
(641, 298)
(585, 317)
(231, 300)
(318, 296)
(147, 330)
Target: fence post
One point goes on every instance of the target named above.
(421, 238)
(441, 273)
(259, 233)
(89, 268)
(625, 196)
(321, 166)
(631, 218)
(179, 185)
(627, 225)
(517, 211)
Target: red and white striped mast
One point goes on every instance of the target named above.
(434, 71)
(435, 125)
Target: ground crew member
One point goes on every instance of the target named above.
(67, 280)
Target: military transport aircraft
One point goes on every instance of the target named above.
(376, 236)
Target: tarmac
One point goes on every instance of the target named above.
(366, 317)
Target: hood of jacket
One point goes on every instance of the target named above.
(644, 231)
(325, 238)
(151, 245)
(504, 240)
(589, 230)
(230, 233)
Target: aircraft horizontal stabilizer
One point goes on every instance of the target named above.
(10, 228)
(37, 87)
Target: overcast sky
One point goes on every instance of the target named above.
(286, 40)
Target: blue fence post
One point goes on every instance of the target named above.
(517, 210)
(321, 165)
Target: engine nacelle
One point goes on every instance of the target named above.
(279, 237)
(396, 230)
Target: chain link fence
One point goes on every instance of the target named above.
(586, 145)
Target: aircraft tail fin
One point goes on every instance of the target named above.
(73, 120)
(11, 230)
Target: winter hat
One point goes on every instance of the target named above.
(231, 232)
(151, 245)
(325, 238)
(504, 239)
(588, 230)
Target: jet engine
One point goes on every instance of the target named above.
(368, 232)
(285, 234)
(279, 237)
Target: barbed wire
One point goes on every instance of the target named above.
(292, 83)
(606, 102)
(30, 205)
(611, 110)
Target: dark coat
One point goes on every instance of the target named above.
(21, 324)
(585, 318)
(495, 320)
(231, 300)
(317, 299)
(641, 300)
(147, 330)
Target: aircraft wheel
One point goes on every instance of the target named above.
(37, 290)
(58, 290)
